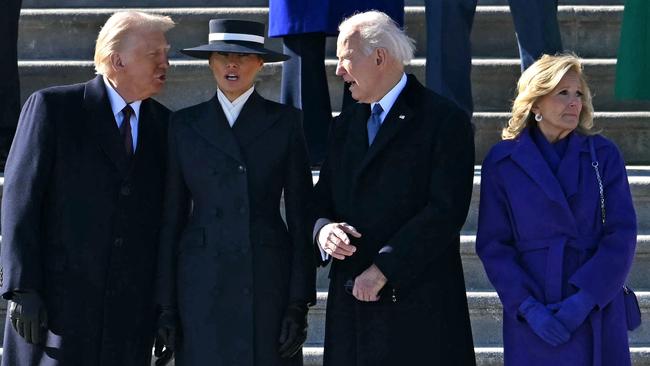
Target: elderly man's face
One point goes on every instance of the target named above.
(145, 63)
(357, 69)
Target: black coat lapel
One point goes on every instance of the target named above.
(103, 124)
(214, 127)
(254, 119)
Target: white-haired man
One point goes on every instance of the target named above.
(81, 208)
(393, 194)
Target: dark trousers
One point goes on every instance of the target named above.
(449, 56)
(9, 85)
(304, 86)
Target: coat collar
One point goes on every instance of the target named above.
(212, 125)
(398, 116)
(255, 118)
(103, 122)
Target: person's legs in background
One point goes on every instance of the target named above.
(537, 28)
(10, 86)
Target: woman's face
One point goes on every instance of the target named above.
(235, 72)
(560, 109)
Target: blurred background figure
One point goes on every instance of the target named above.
(304, 26)
(633, 64)
(9, 87)
(449, 53)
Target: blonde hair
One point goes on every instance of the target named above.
(378, 30)
(539, 80)
(117, 28)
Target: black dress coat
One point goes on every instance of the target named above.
(408, 195)
(80, 226)
(228, 261)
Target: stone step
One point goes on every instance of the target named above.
(238, 3)
(476, 279)
(486, 317)
(190, 82)
(59, 34)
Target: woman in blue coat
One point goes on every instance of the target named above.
(557, 257)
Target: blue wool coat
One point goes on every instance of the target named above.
(288, 17)
(540, 234)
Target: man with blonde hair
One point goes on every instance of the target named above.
(392, 196)
(81, 208)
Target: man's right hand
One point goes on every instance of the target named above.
(28, 316)
(334, 240)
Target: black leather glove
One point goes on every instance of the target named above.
(166, 336)
(293, 331)
(28, 316)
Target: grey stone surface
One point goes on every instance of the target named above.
(190, 82)
(58, 34)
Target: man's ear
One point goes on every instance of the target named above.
(380, 56)
(116, 61)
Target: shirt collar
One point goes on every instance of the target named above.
(235, 103)
(118, 103)
(389, 99)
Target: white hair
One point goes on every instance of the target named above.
(117, 28)
(378, 30)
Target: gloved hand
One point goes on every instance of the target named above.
(166, 336)
(542, 322)
(293, 331)
(28, 316)
(573, 310)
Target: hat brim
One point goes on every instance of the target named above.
(204, 51)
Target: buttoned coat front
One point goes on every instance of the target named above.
(540, 234)
(408, 195)
(80, 227)
(229, 262)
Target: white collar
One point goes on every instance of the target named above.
(389, 99)
(225, 102)
(118, 103)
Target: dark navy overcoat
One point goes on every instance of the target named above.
(287, 17)
(80, 227)
(228, 261)
(540, 234)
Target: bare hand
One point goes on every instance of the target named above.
(334, 239)
(368, 284)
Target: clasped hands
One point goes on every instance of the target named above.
(334, 239)
(554, 323)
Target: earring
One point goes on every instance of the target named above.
(538, 117)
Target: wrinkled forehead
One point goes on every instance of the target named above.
(347, 41)
(144, 37)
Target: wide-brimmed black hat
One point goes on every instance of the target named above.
(235, 36)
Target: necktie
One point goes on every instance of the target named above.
(374, 122)
(125, 130)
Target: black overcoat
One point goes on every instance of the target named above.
(228, 261)
(408, 195)
(80, 226)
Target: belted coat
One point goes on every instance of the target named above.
(228, 261)
(540, 234)
(80, 226)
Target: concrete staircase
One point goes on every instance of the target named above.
(56, 47)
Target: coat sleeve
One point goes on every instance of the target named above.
(176, 209)
(604, 274)
(430, 233)
(27, 178)
(495, 242)
(297, 193)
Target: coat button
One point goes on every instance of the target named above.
(241, 169)
(242, 210)
(126, 190)
(215, 171)
(118, 242)
(217, 212)
(243, 250)
(246, 291)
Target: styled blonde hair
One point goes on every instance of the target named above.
(117, 28)
(539, 80)
(378, 30)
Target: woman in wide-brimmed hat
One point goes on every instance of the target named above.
(237, 278)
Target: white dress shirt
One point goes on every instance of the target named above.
(232, 109)
(386, 102)
(117, 104)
